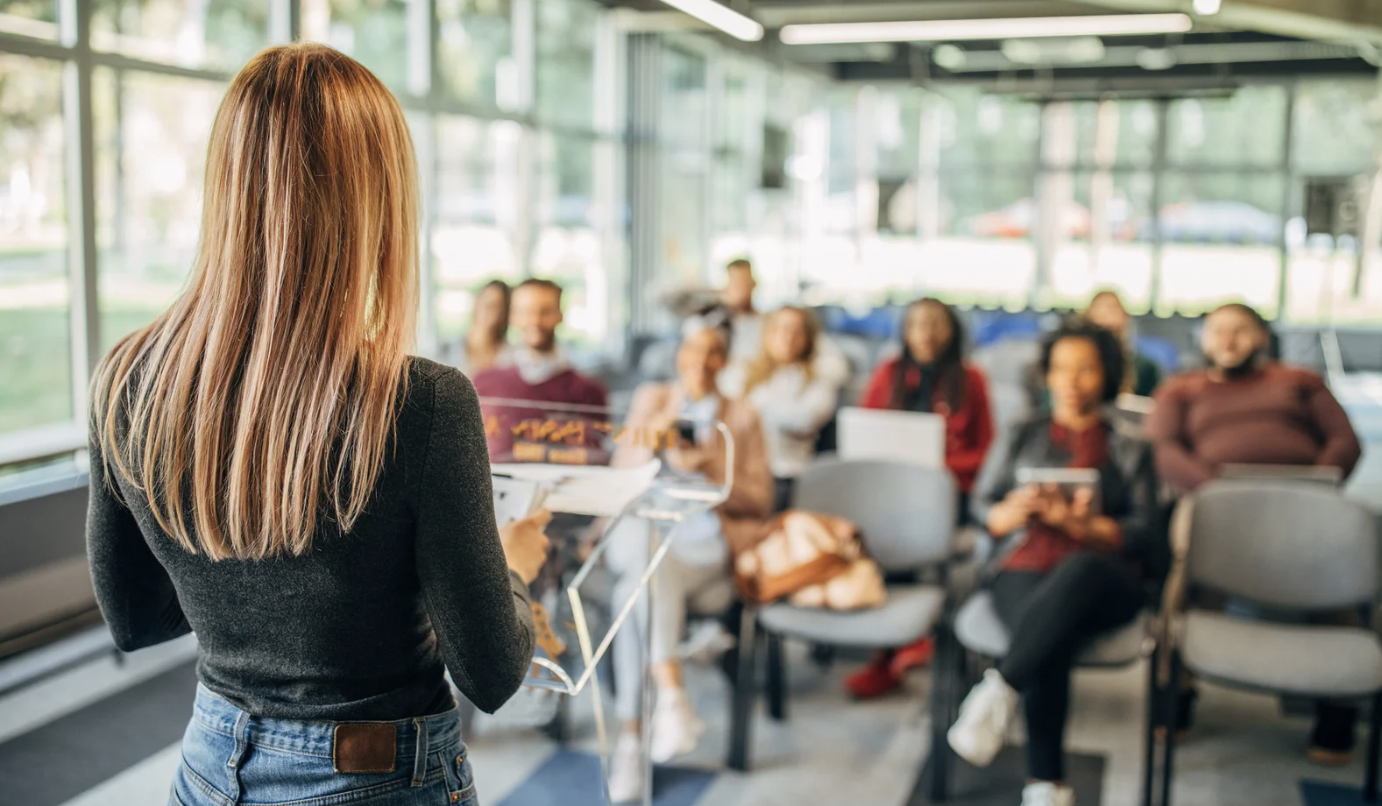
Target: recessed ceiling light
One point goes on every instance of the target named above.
(961, 30)
(720, 16)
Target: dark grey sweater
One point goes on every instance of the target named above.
(360, 627)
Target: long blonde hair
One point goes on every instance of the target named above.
(762, 367)
(264, 399)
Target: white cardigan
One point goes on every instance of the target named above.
(792, 410)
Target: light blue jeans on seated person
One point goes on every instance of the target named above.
(697, 561)
(230, 757)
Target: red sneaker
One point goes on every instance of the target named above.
(874, 680)
(913, 656)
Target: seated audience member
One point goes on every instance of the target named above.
(745, 325)
(1245, 409)
(1106, 310)
(1248, 409)
(700, 558)
(1068, 568)
(539, 372)
(487, 343)
(930, 375)
(790, 394)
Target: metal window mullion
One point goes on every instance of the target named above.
(84, 302)
(285, 21)
(1287, 168)
(1159, 148)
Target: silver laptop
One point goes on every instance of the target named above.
(1332, 476)
(896, 436)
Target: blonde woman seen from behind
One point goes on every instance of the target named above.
(272, 470)
(794, 398)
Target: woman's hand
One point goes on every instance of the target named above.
(1077, 520)
(525, 544)
(1013, 512)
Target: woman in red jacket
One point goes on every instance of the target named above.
(930, 376)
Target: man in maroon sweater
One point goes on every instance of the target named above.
(568, 432)
(1245, 409)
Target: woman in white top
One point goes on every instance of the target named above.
(795, 392)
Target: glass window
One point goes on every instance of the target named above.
(1102, 238)
(35, 344)
(984, 250)
(1329, 280)
(979, 128)
(567, 246)
(682, 216)
(1246, 128)
(1335, 127)
(191, 33)
(1222, 241)
(475, 52)
(1101, 133)
(684, 101)
(475, 237)
(151, 139)
(566, 62)
(36, 18)
(373, 32)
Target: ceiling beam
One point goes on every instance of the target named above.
(1328, 20)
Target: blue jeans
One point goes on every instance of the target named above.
(230, 757)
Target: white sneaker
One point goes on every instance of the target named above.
(977, 735)
(706, 642)
(676, 728)
(626, 779)
(1045, 793)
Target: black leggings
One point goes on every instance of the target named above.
(1050, 617)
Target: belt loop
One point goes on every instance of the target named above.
(420, 757)
(242, 725)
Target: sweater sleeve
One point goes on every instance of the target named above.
(133, 590)
(480, 611)
(752, 493)
(1140, 527)
(998, 476)
(1176, 463)
(979, 435)
(878, 395)
(800, 414)
(1341, 447)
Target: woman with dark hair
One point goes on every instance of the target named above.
(1106, 310)
(930, 375)
(1068, 567)
(487, 343)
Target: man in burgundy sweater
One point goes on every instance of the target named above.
(1245, 409)
(541, 373)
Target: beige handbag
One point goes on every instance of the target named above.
(812, 560)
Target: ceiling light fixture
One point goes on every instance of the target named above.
(720, 16)
(961, 30)
(1206, 8)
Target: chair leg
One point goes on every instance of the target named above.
(1169, 709)
(777, 679)
(745, 683)
(822, 655)
(1374, 746)
(947, 670)
(1153, 716)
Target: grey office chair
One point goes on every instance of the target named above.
(1287, 547)
(906, 515)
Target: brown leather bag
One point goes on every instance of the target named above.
(815, 560)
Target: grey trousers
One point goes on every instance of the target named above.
(678, 582)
